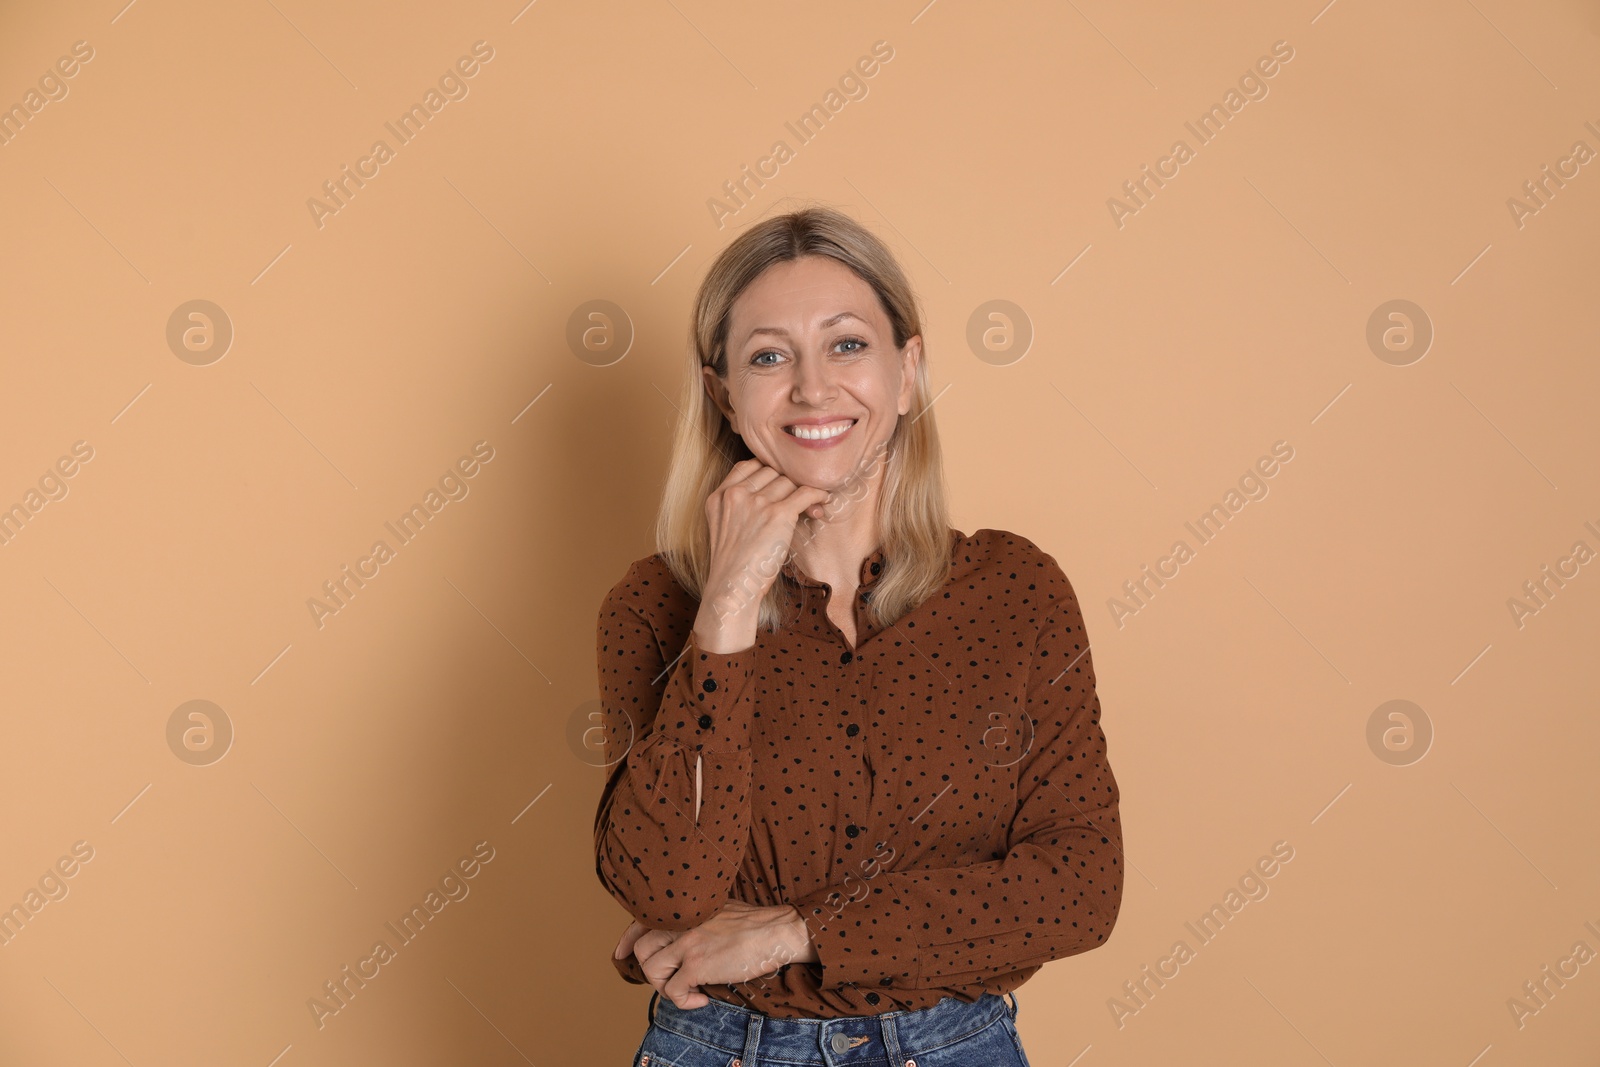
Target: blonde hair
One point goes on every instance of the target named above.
(913, 520)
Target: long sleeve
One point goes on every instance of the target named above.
(674, 817)
(1055, 893)
(631, 969)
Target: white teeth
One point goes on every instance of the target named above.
(822, 432)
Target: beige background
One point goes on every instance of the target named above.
(435, 710)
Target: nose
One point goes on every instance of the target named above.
(813, 381)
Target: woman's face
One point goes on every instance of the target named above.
(809, 344)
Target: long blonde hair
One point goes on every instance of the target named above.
(913, 520)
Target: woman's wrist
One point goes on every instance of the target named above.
(805, 951)
(725, 634)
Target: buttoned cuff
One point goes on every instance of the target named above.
(630, 969)
(710, 699)
(864, 935)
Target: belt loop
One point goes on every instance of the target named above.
(752, 1039)
(891, 1037)
(1014, 1005)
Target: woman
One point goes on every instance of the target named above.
(865, 791)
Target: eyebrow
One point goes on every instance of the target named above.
(823, 325)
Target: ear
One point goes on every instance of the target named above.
(717, 389)
(910, 358)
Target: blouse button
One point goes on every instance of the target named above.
(886, 981)
(852, 830)
(872, 998)
(709, 685)
(852, 729)
(846, 656)
(705, 722)
(876, 567)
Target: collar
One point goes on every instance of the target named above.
(871, 568)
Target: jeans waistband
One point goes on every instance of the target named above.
(894, 1036)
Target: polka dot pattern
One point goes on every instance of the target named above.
(935, 800)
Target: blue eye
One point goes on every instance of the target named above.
(842, 341)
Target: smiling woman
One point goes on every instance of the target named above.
(869, 796)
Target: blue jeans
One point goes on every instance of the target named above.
(952, 1033)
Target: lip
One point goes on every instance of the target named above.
(820, 420)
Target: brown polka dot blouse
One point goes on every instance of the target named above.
(936, 800)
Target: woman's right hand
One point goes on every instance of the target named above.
(752, 516)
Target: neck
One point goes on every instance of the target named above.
(831, 549)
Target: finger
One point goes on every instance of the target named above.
(684, 993)
(735, 476)
(752, 479)
(782, 490)
(625, 943)
(658, 972)
(808, 499)
(636, 936)
(741, 470)
(761, 478)
(651, 942)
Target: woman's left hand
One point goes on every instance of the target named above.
(740, 942)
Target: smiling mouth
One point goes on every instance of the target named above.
(820, 432)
